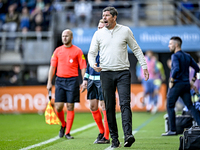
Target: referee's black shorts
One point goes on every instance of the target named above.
(67, 90)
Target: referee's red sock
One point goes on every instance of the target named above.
(70, 119)
(98, 119)
(106, 134)
(61, 116)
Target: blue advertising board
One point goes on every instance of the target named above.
(148, 38)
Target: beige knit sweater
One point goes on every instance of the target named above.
(113, 49)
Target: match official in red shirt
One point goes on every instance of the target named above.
(65, 62)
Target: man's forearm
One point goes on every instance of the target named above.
(83, 72)
(51, 74)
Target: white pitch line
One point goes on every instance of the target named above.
(57, 137)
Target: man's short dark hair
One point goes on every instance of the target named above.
(177, 39)
(112, 11)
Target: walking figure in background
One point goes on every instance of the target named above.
(159, 79)
(148, 86)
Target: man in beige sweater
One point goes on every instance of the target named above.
(111, 42)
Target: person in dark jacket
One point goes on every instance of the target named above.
(179, 83)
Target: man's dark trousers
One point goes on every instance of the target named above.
(110, 80)
(182, 90)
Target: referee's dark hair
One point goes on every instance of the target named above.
(177, 39)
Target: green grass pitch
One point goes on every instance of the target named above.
(21, 131)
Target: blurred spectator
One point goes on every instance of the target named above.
(40, 16)
(197, 82)
(197, 13)
(11, 25)
(17, 76)
(97, 11)
(30, 77)
(16, 4)
(98, 5)
(70, 12)
(30, 4)
(4, 78)
(11, 20)
(127, 6)
(83, 12)
(56, 5)
(159, 79)
(111, 3)
(47, 11)
(3, 11)
(24, 20)
(38, 23)
(148, 86)
(40, 6)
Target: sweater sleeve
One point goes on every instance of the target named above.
(93, 51)
(136, 49)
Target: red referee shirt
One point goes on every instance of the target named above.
(68, 60)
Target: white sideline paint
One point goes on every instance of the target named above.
(57, 137)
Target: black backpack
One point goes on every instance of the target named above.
(190, 139)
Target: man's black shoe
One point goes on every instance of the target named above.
(68, 136)
(169, 133)
(115, 143)
(129, 140)
(103, 141)
(62, 131)
(100, 136)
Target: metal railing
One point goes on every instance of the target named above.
(185, 16)
(131, 13)
(31, 47)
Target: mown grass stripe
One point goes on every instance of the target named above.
(146, 122)
(57, 137)
(138, 128)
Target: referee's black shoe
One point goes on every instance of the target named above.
(129, 140)
(62, 131)
(68, 136)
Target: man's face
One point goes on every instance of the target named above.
(109, 20)
(171, 46)
(101, 25)
(66, 37)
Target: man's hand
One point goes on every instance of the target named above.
(97, 69)
(171, 83)
(84, 86)
(146, 74)
(49, 86)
